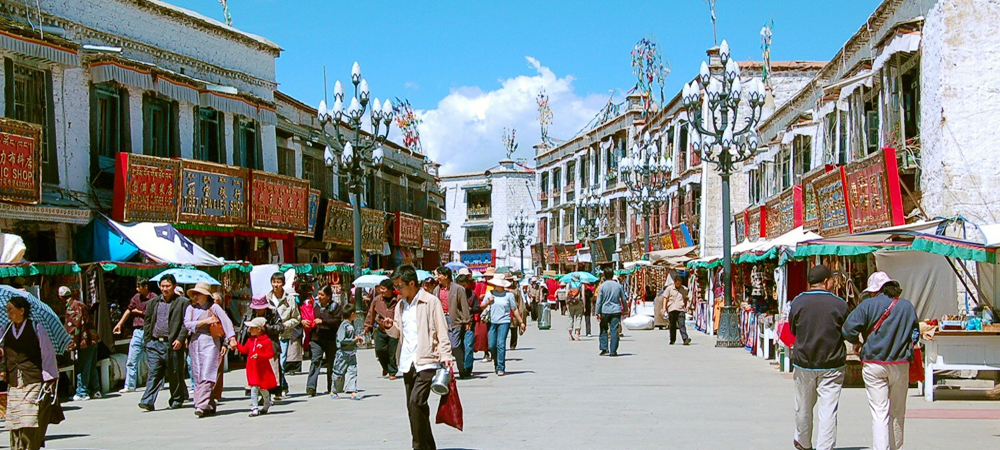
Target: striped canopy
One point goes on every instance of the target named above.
(40, 313)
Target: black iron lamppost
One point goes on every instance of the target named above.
(361, 149)
(521, 232)
(645, 175)
(724, 142)
(592, 222)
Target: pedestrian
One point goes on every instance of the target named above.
(561, 295)
(288, 311)
(260, 377)
(307, 307)
(500, 306)
(424, 346)
(574, 303)
(816, 318)
(323, 346)
(259, 307)
(521, 309)
(202, 319)
(588, 305)
(83, 341)
(30, 372)
(381, 308)
(164, 335)
(345, 366)
(610, 297)
(676, 307)
(442, 290)
(890, 329)
(136, 310)
(462, 298)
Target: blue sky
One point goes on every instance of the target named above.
(471, 68)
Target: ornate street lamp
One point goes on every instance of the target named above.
(361, 149)
(592, 221)
(713, 106)
(521, 232)
(645, 174)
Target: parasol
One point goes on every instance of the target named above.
(40, 313)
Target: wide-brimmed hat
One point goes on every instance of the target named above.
(256, 322)
(550, 273)
(200, 288)
(259, 302)
(499, 281)
(464, 271)
(490, 271)
(876, 281)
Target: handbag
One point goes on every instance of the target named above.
(450, 409)
(917, 366)
(216, 329)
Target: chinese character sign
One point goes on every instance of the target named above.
(831, 203)
(873, 192)
(339, 228)
(408, 230)
(279, 202)
(146, 188)
(213, 194)
(20, 163)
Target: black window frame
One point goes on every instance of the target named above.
(152, 105)
(209, 135)
(45, 117)
(241, 156)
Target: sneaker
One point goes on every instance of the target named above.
(799, 446)
(613, 354)
(254, 412)
(276, 398)
(687, 342)
(80, 398)
(589, 335)
(98, 394)
(334, 396)
(500, 373)
(146, 407)
(126, 390)
(604, 352)
(311, 392)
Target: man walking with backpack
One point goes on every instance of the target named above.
(816, 318)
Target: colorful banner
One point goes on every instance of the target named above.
(478, 260)
(146, 188)
(873, 192)
(213, 194)
(20, 162)
(683, 235)
(408, 230)
(373, 236)
(279, 202)
(740, 226)
(537, 255)
(313, 213)
(667, 241)
(831, 203)
(339, 223)
(551, 255)
(789, 211)
(755, 225)
(810, 203)
(430, 235)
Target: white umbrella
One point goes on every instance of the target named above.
(369, 281)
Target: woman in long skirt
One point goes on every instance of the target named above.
(205, 349)
(29, 368)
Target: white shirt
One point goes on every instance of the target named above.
(408, 341)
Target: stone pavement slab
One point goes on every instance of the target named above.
(556, 395)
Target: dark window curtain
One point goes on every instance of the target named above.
(175, 132)
(50, 171)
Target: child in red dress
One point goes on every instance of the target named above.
(260, 377)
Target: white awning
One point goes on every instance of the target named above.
(850, 88)
(104, 71)
(767, 156)
(37, 48)
(808, 130)
(691, 179)
(163, 244)
(826, 109)
(903, 42)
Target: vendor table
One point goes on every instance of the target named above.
(959, 350)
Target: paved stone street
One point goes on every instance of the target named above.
(557, 394)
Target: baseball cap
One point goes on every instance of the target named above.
(818, 274)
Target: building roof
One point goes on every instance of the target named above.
(498, 168)
(207, 22)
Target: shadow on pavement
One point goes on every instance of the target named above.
(56, 437)
(518, 372)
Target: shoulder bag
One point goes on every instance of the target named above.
(216, 329)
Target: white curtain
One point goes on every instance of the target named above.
(927, 281)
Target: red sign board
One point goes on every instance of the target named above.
(146, 188)
(408, 230)
(873, 193)
(430, 235)
(279, 202)
(20, 162)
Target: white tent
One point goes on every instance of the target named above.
(163, 244)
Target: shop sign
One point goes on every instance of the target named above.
(213, 194)
(667, 241)
(771, 218)
(602, 249)
(536, 255)
(831, 203)
(373, 236)
(146, 188)
(313, 213)
(740, 226)
(755, 226)
(656, 242)
(551, 255)
(789, 211)
(339, 226)
(430, 234)
(567, 253)
(20, 162)
(873, 192)
(279, 202)
(810, 204)
(478, 260)
(445, 249)
(408, 230)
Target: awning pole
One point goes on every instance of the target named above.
(962, 279)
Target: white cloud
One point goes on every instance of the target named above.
(463, 133)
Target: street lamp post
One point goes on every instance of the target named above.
(724, 143)
(360, 148)
(521, 231)
(645, 175)
(590, 204)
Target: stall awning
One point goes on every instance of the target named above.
(672, 257)
(162, 243)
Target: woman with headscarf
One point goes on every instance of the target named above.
(29, 368)
(205, 345)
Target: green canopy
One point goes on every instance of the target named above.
(32, 269)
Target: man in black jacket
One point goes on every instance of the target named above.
(164, 335)
(819, 355)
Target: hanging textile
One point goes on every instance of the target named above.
(104, 71)
(38, 49)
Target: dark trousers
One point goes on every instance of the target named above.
(677, 322)
(513, 336)
(609, 332)
(322, 355)
(418, 388)
(385, 351)
(166, 365)
(586, 320)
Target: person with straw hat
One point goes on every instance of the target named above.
(522, 308)
(202, 319)
(500, 306)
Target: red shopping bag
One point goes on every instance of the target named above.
(450, 408)
(785, 334)
(917, 366)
